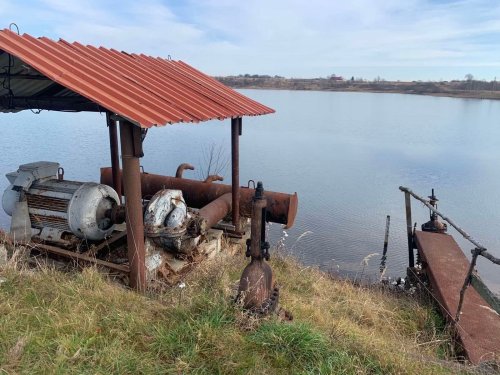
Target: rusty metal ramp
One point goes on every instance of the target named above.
(447, 266)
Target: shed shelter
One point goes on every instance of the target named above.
(135, 91)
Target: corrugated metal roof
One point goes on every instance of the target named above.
(146, 90)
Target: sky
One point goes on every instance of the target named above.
(392, 39)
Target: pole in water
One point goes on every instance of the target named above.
(386, 238)
(411, 257)
(386, 243)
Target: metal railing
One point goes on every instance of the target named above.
(476, 252)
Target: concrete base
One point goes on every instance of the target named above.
(212, 244)
(167, 266)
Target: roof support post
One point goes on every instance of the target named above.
(115, 158)
(131, 144)
(236, 129)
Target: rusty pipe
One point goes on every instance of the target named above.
(213, 177)
(258, 224)
(257, 281)
(281, 207)
(214, 212)
(181, 168)
(131, 179)
(115, 157)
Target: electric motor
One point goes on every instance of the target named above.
(56, 206)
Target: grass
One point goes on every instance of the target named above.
(82, 323)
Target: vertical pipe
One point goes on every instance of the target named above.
(256, 229)
(411, 258)
(235, 175)
(133, 206)
(115, 158)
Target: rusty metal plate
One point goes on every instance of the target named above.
(447, 266)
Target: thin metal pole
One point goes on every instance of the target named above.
(467, 281)
(235, 169)
(133, 205)
(115, 157)
(383, 260)
(411, 257)
(386, 237)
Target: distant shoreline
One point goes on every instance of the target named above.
(454, 89)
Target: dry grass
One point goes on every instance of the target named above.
(82, 323)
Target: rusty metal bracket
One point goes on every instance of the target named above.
(95, 250)
(475, 253)
(80, 257)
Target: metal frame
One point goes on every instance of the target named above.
(477, 251)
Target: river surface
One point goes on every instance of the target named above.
(345, 154)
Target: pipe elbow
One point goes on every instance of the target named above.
(181, 168)
(213, 177)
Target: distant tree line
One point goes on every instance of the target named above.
(468, 87)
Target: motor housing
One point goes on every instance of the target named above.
(57, 206)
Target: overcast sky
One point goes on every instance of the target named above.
(393, 39)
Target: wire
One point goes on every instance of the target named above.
(14, 24)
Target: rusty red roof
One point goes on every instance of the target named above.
(149, 91)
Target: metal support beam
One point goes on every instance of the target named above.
(50, 104)
(236, 125)
(115, 157)
(79, 257)
(409, 232)
(132, 190)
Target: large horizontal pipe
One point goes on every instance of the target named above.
(281, 207)
(215, 211)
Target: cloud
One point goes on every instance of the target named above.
(293, 38)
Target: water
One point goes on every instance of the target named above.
(345, 154)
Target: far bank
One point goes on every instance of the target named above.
(458, 89)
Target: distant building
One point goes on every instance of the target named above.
(334, 77)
